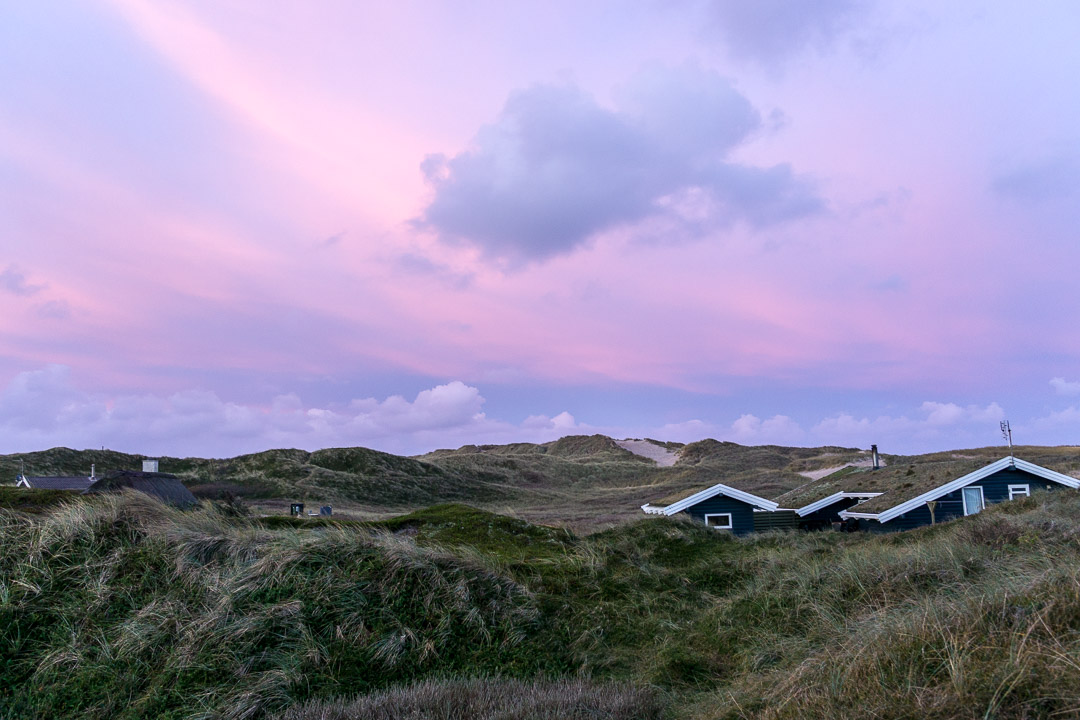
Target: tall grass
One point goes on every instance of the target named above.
(492, 700)
(126, 608)
(121, 607)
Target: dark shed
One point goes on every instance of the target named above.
(163, 486)
(721, 507)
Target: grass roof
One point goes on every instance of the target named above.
(904, 480)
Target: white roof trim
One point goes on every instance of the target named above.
(983, 472)
(827, 501)
(718, 489)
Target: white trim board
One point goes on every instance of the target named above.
(717, 489)
(983, 472)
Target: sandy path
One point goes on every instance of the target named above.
(818, 474)
(661, 455)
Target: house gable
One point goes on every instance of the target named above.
(993, 478)
(699, 497)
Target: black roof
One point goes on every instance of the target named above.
(163, 486)
(58, 483)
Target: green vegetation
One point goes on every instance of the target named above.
(493, 700)
(29, 500)
(116, 606)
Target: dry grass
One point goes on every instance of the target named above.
(492, 700)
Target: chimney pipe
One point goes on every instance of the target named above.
(874, 453)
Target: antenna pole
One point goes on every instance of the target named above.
(1006, 432)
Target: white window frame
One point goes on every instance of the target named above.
(730, 522)
(1016, 491)
(982, 498)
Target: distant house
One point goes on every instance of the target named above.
(163, 486)
(721, 507)
(75, 484)
(919, 496)
(898, 497)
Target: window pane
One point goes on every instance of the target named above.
(973, 500)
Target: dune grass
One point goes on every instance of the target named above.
(481, 699)
(120, 607)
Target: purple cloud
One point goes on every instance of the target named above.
(14, 281)
(770, 32)
(557, 167)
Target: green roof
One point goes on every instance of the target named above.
(897, 483)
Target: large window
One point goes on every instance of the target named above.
(720, 521)
(1016, 491)
(973, 500)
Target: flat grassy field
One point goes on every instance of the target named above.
(119, 607)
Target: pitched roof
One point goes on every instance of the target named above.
(889, 505)
(689, 500)
(57, 483)
(884, 487)
(163, 486)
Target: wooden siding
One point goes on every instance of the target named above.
(995, 489)
(777, 520)
(742, 514)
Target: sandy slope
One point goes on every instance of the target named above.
(661, 455)
(818, 474)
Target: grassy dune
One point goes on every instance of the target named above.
(583, 482)
(119, 607)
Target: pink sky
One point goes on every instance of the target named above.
(414, 225)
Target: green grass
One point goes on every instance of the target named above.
(30, 500)
(120, 607)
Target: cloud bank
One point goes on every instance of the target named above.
(42, 408)
(556, 167)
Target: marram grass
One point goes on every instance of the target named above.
(120, 607)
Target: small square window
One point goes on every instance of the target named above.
(720, 521)
(1016, 491)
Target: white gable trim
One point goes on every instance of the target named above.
(718, 489)
(826, 502)
(981, 473)
(23, 482)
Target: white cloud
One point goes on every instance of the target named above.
(951, 413)
(43, 408)
(777, 430)
(1062, 387)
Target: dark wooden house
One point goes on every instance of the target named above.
(721, 507)
(75, 483)
(899, 497)
(914, 505)
(163, 486)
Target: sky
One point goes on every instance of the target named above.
(229, 227)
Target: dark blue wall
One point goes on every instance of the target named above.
(995, 490)
(827, 515)
(742, 514)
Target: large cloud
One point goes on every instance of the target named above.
(556, 167)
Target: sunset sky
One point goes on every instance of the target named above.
(227, 227)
